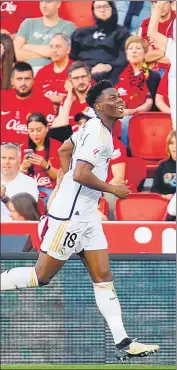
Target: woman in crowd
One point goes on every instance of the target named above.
(137, 85)
(7, 60)
(23, 207)
(165, 175)
(41, 159)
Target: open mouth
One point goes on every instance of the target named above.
(120, 108)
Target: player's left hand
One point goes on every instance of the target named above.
(101, 68)
(121, 191)
(38, 160)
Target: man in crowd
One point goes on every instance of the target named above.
(155, 56)
(32, 39)
(19, 102)
(79, 82)
(51, 78)
(12, 180)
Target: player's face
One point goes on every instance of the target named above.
(166, 9)
(14, 214)
(102, 10)
(112, 104)
(22, 82)
(172, 148)
(10, 162)
(59, 48)
(80, 80)
(37, 132)
(135, 53)
(49, 8)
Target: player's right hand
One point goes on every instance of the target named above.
(121, 191)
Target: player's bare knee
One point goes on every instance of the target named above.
(103, 276)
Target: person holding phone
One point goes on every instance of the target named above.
(41, 160)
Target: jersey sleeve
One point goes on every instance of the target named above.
(24, 29)
(91, 147)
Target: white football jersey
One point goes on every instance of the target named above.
(93, 144)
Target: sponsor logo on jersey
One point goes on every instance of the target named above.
(8, 7)
(17, 126)
(4, 113)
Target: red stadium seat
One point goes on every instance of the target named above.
(135, 172)
(78, 12)
(104, 206)
(141, 207)
(147, 136)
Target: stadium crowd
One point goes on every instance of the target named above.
(48, 65)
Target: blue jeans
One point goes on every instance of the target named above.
(125, 125)
(47, 191)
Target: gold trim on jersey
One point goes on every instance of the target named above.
(55, 245)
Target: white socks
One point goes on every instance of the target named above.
(109, 307)
(19, 277)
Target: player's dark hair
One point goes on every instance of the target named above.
(22, 67)
(96, 90)
(76, 65)
(38, 117)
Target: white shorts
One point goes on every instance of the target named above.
(63, 238)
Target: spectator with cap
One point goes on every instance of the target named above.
(51, 78)
(12, 180)
(101, 46)
(32, 39)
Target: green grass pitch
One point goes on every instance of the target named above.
(87, 367)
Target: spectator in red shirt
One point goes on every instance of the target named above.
(7, 61)
(51, 78)
(132, 85)
(155, 56)
(19, 102)
(162, 100)
(13, 13)
(41, 160)
(79, 82)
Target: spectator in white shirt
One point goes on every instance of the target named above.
(12, 180)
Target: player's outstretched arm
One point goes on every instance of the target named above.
(83, 175)
(65, 153)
